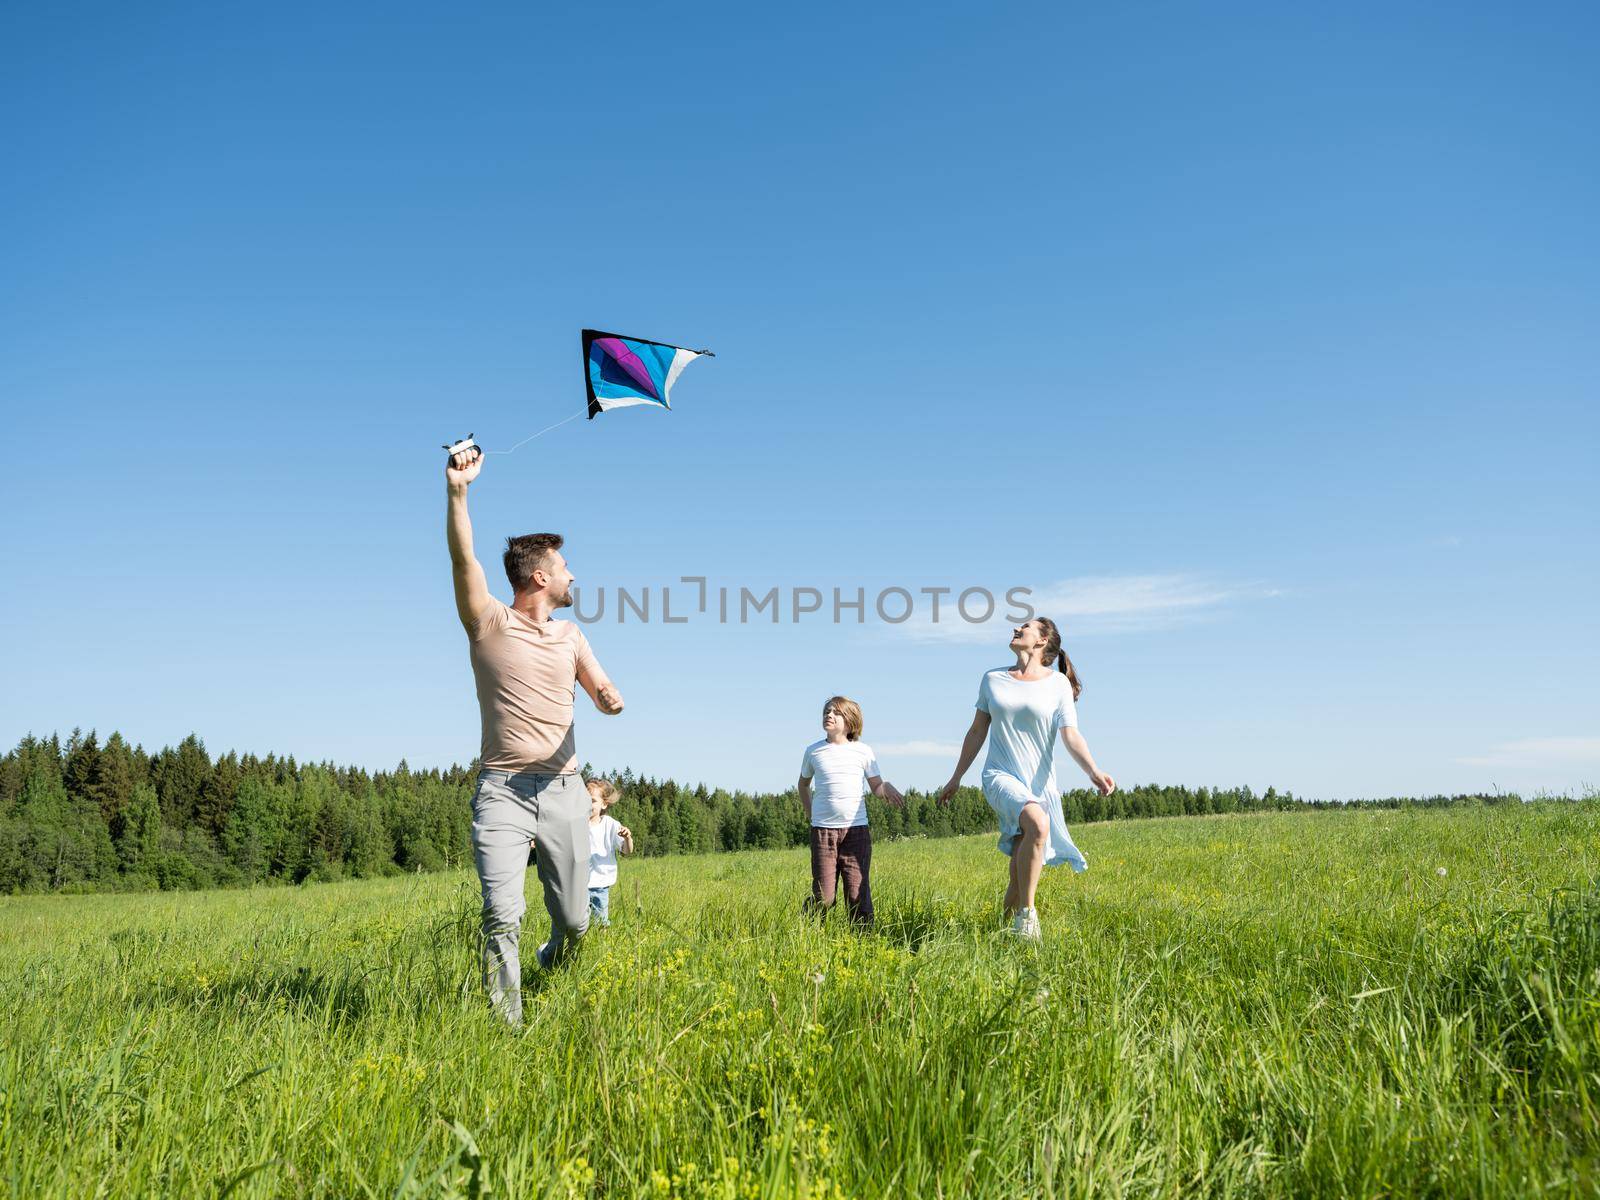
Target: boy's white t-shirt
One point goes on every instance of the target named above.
(1024, 721)
(838, 774)
(604, 840)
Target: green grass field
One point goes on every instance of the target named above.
(1336, 1004)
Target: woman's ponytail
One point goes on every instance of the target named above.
(1065, 664)
(1054, 651)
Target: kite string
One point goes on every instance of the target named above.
(541, 433)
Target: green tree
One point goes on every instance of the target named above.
(254, 828)
(61, 840)
(81, 770)
(113, 789)
(217, 793)
(179, 776)
(370, 849)
(139, 833)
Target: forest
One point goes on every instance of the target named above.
(84, 815)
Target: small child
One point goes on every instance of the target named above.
(607, 836)
(844, 768)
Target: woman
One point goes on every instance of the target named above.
(1020, 710)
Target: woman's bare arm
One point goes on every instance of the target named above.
(1079, 749)
(970, 745)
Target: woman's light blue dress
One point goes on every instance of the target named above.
(1026, 719)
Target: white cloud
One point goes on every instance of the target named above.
(1089, 604)
(1540, 752)
(917, 749)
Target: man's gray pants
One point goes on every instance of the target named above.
(508, 811)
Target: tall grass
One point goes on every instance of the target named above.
(1333, 1004)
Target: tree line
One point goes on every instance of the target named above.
(79, 815)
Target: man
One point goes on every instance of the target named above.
(525, 664)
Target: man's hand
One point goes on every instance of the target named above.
(609, 701)
(947, 791)
(461, 469)
(1105, 784)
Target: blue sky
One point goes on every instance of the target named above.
(1261, 344)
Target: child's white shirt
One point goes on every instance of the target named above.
(838, 772)
(605, 838)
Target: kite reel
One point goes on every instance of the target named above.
(463, 447)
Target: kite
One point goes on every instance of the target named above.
(618, 372)
(621, 371)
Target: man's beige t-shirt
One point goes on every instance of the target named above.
(525, 673)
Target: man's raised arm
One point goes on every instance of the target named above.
(472, 589)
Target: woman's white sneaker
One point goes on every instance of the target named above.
(1026, 924)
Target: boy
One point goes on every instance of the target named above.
(843, 768)
(607, 836)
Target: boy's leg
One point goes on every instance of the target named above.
(600, 904)
(855, 864)
(502, 823)
(562, 850)
(824, 868)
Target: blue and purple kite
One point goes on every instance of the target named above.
(628, 370)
